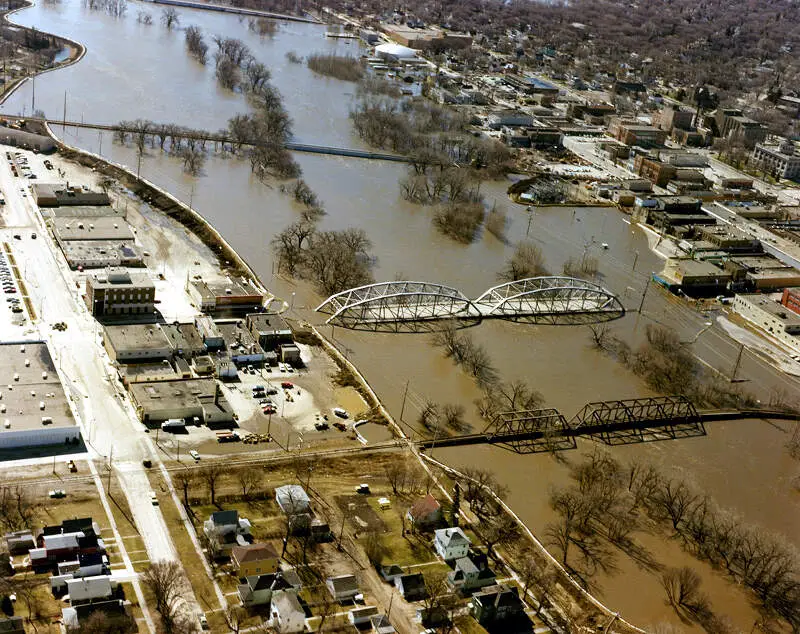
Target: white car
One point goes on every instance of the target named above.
(194, 455)
(153, 498)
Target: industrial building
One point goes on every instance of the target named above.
(242, 347)
(53, 195)
(791, 299)
(269, 330)
(224, 295)
(631, 132)
(772, 317)
(98, 254)
(117, 292)
(696, 277)
(33, 407)
(136, 343)
(91, 228)
(196, 398)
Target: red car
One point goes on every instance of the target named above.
(286, 385)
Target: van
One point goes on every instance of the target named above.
(47, 420)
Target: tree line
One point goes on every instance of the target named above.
(606, 503)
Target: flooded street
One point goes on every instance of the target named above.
(134, 71)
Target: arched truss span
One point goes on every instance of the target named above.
(414, 306)
(396, 302)
(553, 295)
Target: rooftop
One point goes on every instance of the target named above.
(173, 394)
(28, 379)
(136, 337)
(91, 228)
(788, 317)
(116, 277)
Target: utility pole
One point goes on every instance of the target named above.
(738, 362)
(530, 219)
(110, 461)
(635, 259)
(403, 406)
(644, 294)
(100, 137)
(64, 119)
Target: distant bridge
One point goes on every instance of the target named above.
(217, 137)
(611, 422)
(407, 306)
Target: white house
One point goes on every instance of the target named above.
(451, 543)
(90, 589)
(286, 612)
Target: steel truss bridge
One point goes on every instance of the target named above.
(611, 422)
(408, 306)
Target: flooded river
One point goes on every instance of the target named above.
(135, 71)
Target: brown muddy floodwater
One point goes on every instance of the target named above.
(134, 71)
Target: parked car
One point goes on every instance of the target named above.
(153, 498)
(194, 455)
(341, 413)
(57, 493)
(286, 385)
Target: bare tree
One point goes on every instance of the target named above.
(195, 44)
(165, 581)
(374, 547)
(507, 397)
(185, 478)
(211, 476)
(526, 261)
(290, 246)
(499, 530)
(193, 161)
(170, 18)
(396, 472)
(143, 17)
(682, 587)
(249, 478)
(228, 73)
(479, 485)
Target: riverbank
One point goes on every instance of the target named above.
(210, 6)
(76, 52)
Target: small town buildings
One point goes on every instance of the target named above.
(115, 610)
(209, 333)
(696, 277)
(362, 616)
(425, 513)
(290, 353)
(155, 402)
(185, 340)
(227, 295)
(292, 499)
(66, 542)
(731, 123)
(53, 195)
(411, 586)
(775, 319)
(672, 116)
(286, 612)
(116, 292)
(254, 559)
(509, 118)
(91, 589)
(269, 330)
(451, 543)
(136, 343)
(258, 589)
(468, 575)
(343, 588)
(781, 161)
(225, 529)
(391, 572)
(631, 132)
(19, 542)
(497, 604)
(241, 346)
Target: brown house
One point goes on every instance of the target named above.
(255, 559)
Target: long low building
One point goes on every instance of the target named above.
(136, 343)
(33, 407)
(772, 317)
(194, 398)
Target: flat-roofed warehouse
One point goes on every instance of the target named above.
(200, 398)
(135, 343)
(55, 195)
(33, 407)
(91, 228)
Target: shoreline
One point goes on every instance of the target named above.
(77, 53)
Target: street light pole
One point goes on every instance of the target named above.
(403, 406)
(644, 294)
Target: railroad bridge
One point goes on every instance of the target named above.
(611, 422)
(408, 306)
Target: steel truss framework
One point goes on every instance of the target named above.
(547, 295)
(531, 431)
(388, 305)
(413, 306)
(639, 420)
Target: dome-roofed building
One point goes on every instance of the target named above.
(394, 52)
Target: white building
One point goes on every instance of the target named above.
(286, 612)
(451, 543)
(780, 161)
(775, 319)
